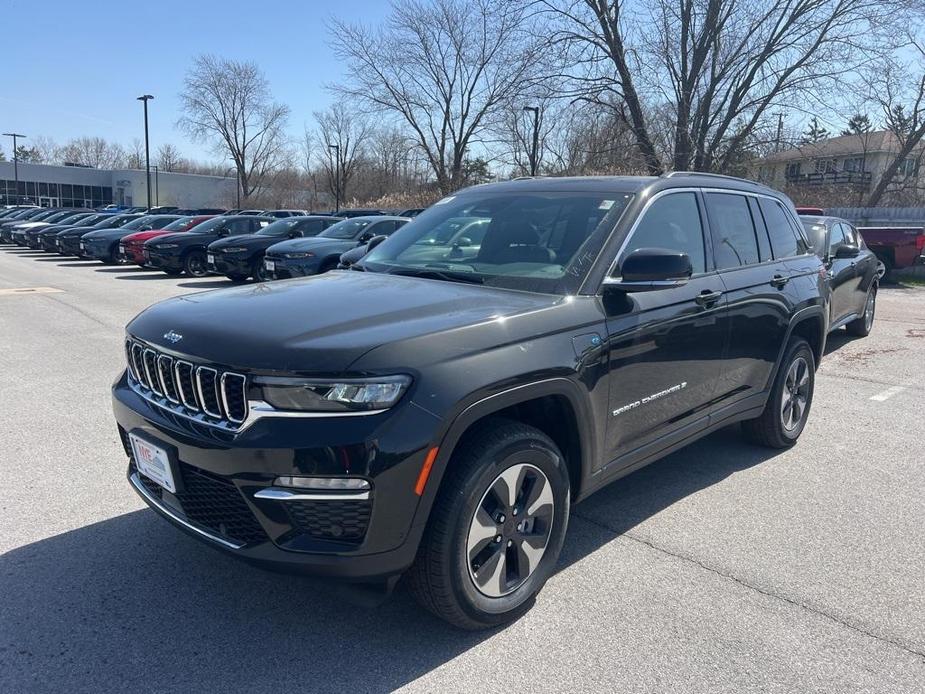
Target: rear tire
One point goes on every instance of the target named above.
(463, 572)
(787, 409)
(194, 264)
(863, 325)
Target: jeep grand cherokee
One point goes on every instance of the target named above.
(437, 410)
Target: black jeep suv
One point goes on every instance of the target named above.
(438, 408)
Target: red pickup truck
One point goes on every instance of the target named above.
(896, 247)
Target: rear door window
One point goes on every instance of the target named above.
(784, 241)
(734, 241)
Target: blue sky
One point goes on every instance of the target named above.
(74, 69)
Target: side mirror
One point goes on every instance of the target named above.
(364, 238)
(375, 241)
(295, 234)
(651, 269)
(463, 241)
(843, 250)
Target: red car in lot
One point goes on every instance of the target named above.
(131, 248)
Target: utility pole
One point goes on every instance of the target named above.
(534, 156)
(15, 136)
(336, 149)
(145, 98)
(780, 130)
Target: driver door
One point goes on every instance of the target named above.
(665, 346)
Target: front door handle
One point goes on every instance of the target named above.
(779, 281)
(707, 298)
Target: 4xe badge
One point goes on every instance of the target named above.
(173, 336)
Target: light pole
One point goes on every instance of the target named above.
(15, 136)
(145, 98)
(534, 164)
(336, 149)
(237, 182)
(157, 188)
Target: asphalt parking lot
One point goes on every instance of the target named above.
(723, 567)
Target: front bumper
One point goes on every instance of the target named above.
(229, 264)
(162, 260)
(286, 268)
(69, 245)
(99, 250)
(221, 475)
(132, 253)
(18, 238)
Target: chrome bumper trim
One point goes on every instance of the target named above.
(277, 494)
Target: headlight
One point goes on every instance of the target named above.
(167, 245)
(299, 255)
(235, 249)
(344, 395)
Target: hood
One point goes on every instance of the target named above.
(188, 237)
(142, 236)
(32, 225)
(251, 241)
(107, 234)
(312, 243)
(321, 325)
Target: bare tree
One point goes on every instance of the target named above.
(903, 102)
(135, 158)
(721, 65)
(49, 152)
(169, 158)
(344, 133)
(444, 68)
(94, 152)
(229, 104)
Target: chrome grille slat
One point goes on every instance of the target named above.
(165, 374)
(184, 374)
(204, 394)
(149, 357)
(184, 387)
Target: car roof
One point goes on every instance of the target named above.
(378, 218)
(627, 184)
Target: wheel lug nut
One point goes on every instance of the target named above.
(514, 512)
(501, 518)
(510, 543)
(497, 538)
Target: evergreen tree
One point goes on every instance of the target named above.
(814, 132)
(858, 125)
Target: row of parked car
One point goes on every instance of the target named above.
(240, 244)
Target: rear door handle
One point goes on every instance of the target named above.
(779, 281)
(707, 298)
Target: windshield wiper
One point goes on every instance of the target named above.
(439, 275)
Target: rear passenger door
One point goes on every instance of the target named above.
(758, 302)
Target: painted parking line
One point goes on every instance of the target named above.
(30, 290)
(888, 393)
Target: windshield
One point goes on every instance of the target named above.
(60, 216)
(90, 220)
(280, 228)
(137, 223)
(815, 231)
(210, 226)
(181, 224)
(348, 229)
(542, 241)
(115, 221)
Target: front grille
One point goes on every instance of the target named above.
(207, 500)
(215, 395)
(345, 521)
(216, 504)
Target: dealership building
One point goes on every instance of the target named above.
(78, 186)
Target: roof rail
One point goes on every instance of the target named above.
(707, 174)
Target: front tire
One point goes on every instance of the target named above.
(863, 325)
(787, 409)
(496, 528)
(194, 264)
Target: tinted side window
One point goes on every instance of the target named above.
(239, 226)
(734, 241)
(672, 222)
(851, 235)
(783, 241)
(315, 226)
(761, 229)
(381, 228)
(836, 238)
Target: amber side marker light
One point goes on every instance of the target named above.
(425, 471)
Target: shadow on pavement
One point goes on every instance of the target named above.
(209, 284)
(132, 604)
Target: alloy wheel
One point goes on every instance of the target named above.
(795, 394)
(510, 530)
(869, 308)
